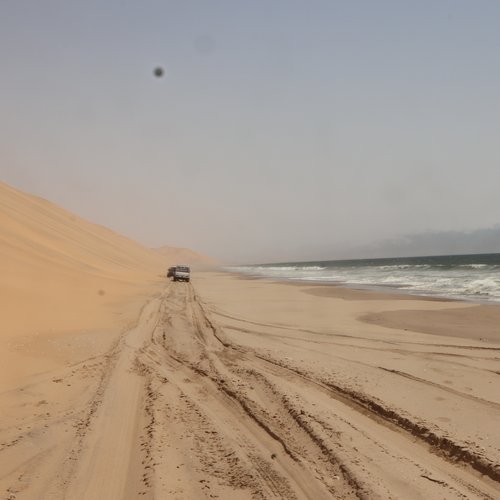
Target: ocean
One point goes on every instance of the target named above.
(467, 277)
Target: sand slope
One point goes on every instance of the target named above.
(61, 274)
(46, 252)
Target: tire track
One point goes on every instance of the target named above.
(379, 413)
(180, 410)
(440, 445)
(476, 399)
(228, 405)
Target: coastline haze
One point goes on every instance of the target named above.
(277, 132)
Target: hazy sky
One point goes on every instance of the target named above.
(281, 129)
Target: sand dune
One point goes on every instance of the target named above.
(63, 274)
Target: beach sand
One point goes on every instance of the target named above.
(228, 387)
(118, 383)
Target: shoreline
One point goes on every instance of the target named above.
(467, 319)
(378, 288)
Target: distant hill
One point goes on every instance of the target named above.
(178, 255)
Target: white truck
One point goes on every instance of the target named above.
(182, 273)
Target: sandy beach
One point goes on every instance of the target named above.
(228, 387)
(249, 250)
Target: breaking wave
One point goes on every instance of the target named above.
(462, 277)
